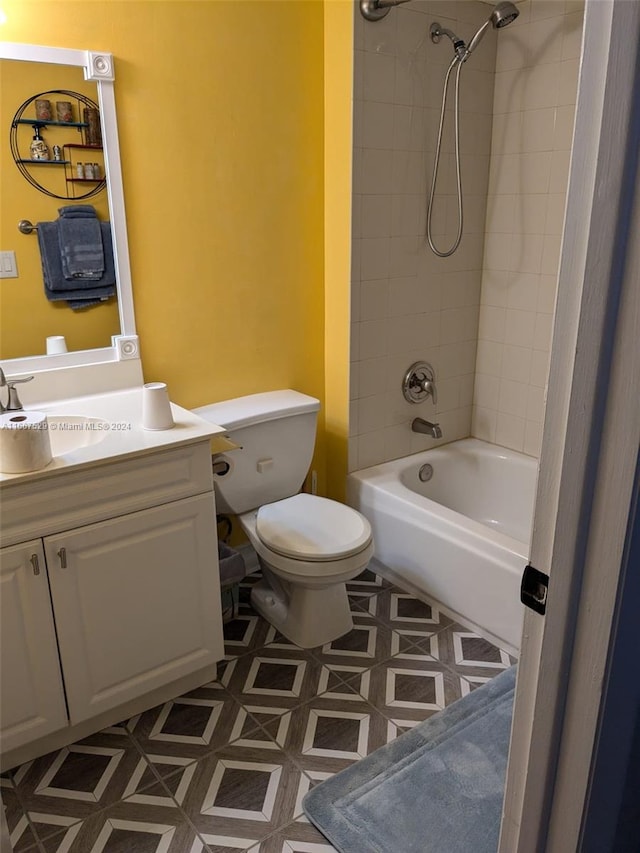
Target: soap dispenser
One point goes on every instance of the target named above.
(38, 147)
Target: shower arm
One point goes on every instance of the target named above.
(375, 10)
(436, 31)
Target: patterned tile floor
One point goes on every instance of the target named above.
(225, 767)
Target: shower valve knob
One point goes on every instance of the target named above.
(419, 383)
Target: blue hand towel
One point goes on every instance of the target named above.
(77, 211)
(77, 293)
(81, 247)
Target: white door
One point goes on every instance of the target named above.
(589, 452)
(31, 696)
(137, 602)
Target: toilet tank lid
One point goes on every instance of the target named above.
(257, 408)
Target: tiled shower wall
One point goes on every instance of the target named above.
(534, 106)
(496, 294)
(408, 305)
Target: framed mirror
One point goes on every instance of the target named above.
(107, 332)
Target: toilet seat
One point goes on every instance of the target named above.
(313, 529)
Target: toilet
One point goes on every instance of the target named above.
(308, 547)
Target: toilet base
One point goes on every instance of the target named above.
(307, 617)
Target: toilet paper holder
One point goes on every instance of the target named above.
(13, 400)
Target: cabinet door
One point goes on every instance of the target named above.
(31, 696)
(137, 602)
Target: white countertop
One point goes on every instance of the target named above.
(121, 415)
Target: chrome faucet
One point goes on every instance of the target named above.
(13, 401)
(426, 427)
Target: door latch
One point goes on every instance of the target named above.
(534, 589)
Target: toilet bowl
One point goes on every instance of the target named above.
(308, 546)
(303, 591)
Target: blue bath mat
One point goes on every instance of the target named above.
(438, 788)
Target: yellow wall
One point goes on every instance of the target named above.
(221, 124)
(338, 73)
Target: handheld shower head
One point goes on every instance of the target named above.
(502, 15)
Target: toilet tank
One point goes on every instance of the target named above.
(276, 431)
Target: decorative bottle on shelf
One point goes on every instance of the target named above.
(38, 147)
(79, 170)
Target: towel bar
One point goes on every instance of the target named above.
(26, 227)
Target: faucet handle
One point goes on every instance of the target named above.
(419, 383)
(429, 388)
(13, 401)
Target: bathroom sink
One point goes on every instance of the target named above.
(71, 432)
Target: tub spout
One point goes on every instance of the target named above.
(426, 427)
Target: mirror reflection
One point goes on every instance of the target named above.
(27, 316)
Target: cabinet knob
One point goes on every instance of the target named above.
(62, 553)
(35, 563)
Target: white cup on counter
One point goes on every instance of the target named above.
(156, 408)
(56, 344)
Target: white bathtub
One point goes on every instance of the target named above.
(462, 537)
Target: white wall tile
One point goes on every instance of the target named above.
(379, 75)
(539, 368)
(535, 404)
(374, 299)
(537, 129)
(532, 438)
(572, 35)
(408, 304)
(377, 124)
(373, 339)
(516, 364)
(486, 391)
(519, 328)
(554, 220)
(523, 291)
(397, 441)
(376, 172)
(371, 413)
(534, 106)
(371, 449)
(374, 257)
(542, 333)
(492, 323)
(510, 431)
(483, 423)
(512, 397)
(489, 358)
(547, 294)
(375, 215)
(563, 127)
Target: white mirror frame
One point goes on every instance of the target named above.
(99, 67)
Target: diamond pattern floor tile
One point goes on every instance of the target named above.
(77, 781)
(468, 654)
(20, 829)
(295, 838)
(242, 793)
(277, 675)
(149, 822)
(225, 767)
(189, 726)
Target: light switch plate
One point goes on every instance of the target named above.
(8, 266)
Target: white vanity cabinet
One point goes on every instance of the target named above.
(32, 699)
(126, 597)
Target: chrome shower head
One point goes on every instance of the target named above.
(503, 14)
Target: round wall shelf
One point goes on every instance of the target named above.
(41, 174)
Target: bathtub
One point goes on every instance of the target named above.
(462, 537)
